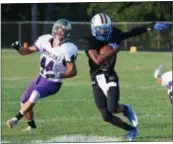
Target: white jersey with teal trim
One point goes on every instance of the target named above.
(53, 60)
(167, 80)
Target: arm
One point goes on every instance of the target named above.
(134, 32)
(71, 70)
(24, 51)
(28, 50)
(158, 74)
(100, 59)
(157, 26)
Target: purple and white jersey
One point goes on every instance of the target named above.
(52, 60)
(167, 80)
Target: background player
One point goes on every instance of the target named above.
(57, 62)
(165, 80)
(105, 81)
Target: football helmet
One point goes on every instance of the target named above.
(64, 25)
(101, 27)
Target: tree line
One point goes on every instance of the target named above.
(118, 11)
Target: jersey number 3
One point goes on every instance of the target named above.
(48, 67)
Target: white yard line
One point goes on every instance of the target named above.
(81, 138)
(74, 138)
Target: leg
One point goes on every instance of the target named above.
(29, 117)
(115, 107)
(101, 103)
(41, 89)
(170, 93)
(10, 123)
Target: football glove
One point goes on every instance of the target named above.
(16, 45)
(157, 71)
(159, 26)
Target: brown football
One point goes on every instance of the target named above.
(105, 49)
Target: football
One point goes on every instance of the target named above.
(105, 49)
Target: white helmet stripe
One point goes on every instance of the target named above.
(103, 18)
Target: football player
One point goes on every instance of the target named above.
(165, 80)
(105, 81)
(57, 62)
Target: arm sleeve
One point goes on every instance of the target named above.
(134, 32)
(71, 54)
(38, 43)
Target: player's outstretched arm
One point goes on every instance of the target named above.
(23, 51)
(157, 26)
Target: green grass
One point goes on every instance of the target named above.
(72, 110)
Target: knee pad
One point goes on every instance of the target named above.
(35, 95)
(107, 116)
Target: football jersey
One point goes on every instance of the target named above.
(53, 60)
(167, 80)
(117, 36)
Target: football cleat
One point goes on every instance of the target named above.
(12, 122)
(29, 128)
(131, 115)
(132, 134)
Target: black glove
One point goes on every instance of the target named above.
(16, 45)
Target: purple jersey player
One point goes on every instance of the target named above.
(57, 62)
(165, 80)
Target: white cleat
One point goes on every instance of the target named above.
(131, 115)
(12, 122)
(29, 129)
(132, 134)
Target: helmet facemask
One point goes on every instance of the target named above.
(102, 32)
(61, 30)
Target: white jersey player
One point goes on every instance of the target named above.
(52, 61)
(165, 80)
(57, 62)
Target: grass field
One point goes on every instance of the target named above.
(71, 113)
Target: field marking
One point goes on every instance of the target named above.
(74, 138)
(81, 138)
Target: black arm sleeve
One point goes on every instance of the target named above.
(133, 32)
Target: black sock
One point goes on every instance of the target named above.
(19, 115)
(118, 122)
(125, 110)
(32, 124)
(127, 127)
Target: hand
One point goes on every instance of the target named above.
(157, 71)
(16, 45)
(51, 75)
(159, 26)
(114, 45)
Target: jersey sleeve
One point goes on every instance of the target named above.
(40, 40)
(71, 53)
(88, 43)
(166, 78)
(119, 35)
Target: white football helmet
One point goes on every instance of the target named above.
(101, 27)
(63, 24)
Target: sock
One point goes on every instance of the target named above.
(19, 115)
(118, 122)
(127, 127)
(32, 124)
(125, 110)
